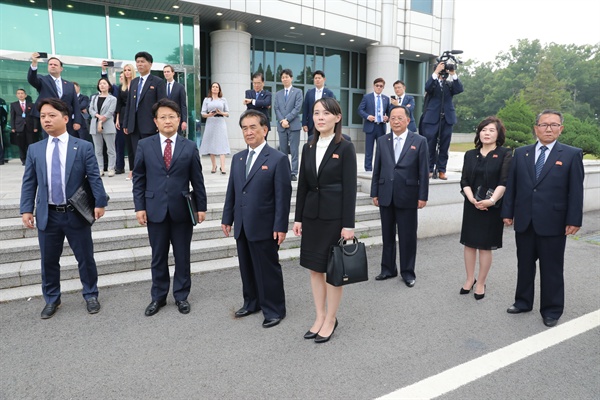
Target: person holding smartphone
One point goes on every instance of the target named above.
(215, 141)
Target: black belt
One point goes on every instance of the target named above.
(218, 115)
(63, 208)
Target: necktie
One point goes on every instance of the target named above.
(23, 107)
(397, 148)
(539, 164)
(286, 94)
(58, 87)
(56, 176)
(378, 110)
(169, 90)
(249, 162)
(168, 155)
(139, 93)
(257, 94)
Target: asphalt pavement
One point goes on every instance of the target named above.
(389, 337)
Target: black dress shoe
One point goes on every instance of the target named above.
(93, 305)
(515, 310)
(323, 339)
(119, 171)
(465, 291)
(409, 282)
(479, 296)
(183, 306)
(242, 312)
(383, 277)
(50, 309)
(269, 323)
(550, 322)
(154, 307)
(310, 335)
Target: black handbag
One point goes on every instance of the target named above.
(191, 204)
(347, 263)
(83, 202)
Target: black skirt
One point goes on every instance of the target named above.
(317, 238)
(481, 229)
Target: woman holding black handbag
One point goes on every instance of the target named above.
(325, 209)
(483, 182)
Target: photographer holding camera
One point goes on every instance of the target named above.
(439, 115)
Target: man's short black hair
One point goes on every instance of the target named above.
(288, 72)
(145, 55)
(54, 58)
(262, 118)
(319, 72)
(166, 103)
(57, 104)
(258, 75)
(399, 82)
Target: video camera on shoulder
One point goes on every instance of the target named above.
(450, 62)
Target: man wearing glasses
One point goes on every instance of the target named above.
(373, 109)
(544, 202)
(165, 166)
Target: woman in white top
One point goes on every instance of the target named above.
(102, 125)
(214, 139)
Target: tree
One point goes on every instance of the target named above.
(518, 120)
(582, 134)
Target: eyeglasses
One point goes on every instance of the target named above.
(167, 117)
(552, 126)
(397, 119)
(378, 85)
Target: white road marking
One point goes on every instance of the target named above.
(468, 372)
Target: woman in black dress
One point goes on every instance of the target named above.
(125, 79)
(483, 181)
(325, 208)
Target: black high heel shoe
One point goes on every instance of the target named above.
(310, 335)
(213, 171)
(480, 296)
(222, 172)
(465, 291)
(323, 339)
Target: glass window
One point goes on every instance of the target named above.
(204, 55)
(132, 31)
(188, 41)
(191, 117)
(290, 55)
(29, 24)
(259, 55)
(343, 100)
(423, 6)
(270, 61)
(79, 29)
(337, 63)
(362, 70)
(354, 70)
(356, 99)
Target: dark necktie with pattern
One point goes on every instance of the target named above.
(539, 164)
(168, 154)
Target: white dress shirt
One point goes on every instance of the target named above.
(548, 150)
(322, 145)
(257, 151)
(163, 144)
(63, 142)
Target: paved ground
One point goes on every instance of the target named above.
(389, 337)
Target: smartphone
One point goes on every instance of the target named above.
(42, 54)
(393, 97)
(110, 63)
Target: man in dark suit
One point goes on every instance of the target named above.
(400, 186)
(3, 122)
(439, 116)
(406, 100)
(23, 124)
(544, 202)
(176, 92)
(288, 105)
(258, 201)
(144, 92)
(165, 166)
(52, 85)
(56, 167)
(311, 96)
(373, 108)
(84, 103)
(258, 98)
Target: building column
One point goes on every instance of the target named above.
(230, 67)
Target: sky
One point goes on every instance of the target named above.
(484, 28)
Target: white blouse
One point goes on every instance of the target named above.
(322, 145)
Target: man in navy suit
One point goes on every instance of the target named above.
(52, 85)
(176, 92)
(84, 103)
(165, 166)
(288, 105)
(544, 202)
(258, 98)
(439, 116)
(406, 100)
(56, 167)
(144, 92)
(258, 202)
(311, 96)
(373, 108)
(22, 123)
(400, 186)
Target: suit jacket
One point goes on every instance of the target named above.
(401, 184)
(551, 202)
(309, 102)
(178, 96)
(81, 164)
(158, 190)
(262, 104)
(108, 110)
(409, 102)
(17, 122)
(153, 90)
(435, 105)
(84, 103)
(497, 168)
(289, 109)
(260, 203)
(46, 87)
(330, 192)
(367, 107)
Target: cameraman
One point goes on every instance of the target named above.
(439, 115)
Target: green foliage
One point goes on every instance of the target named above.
(582, 134)
(518, 120)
